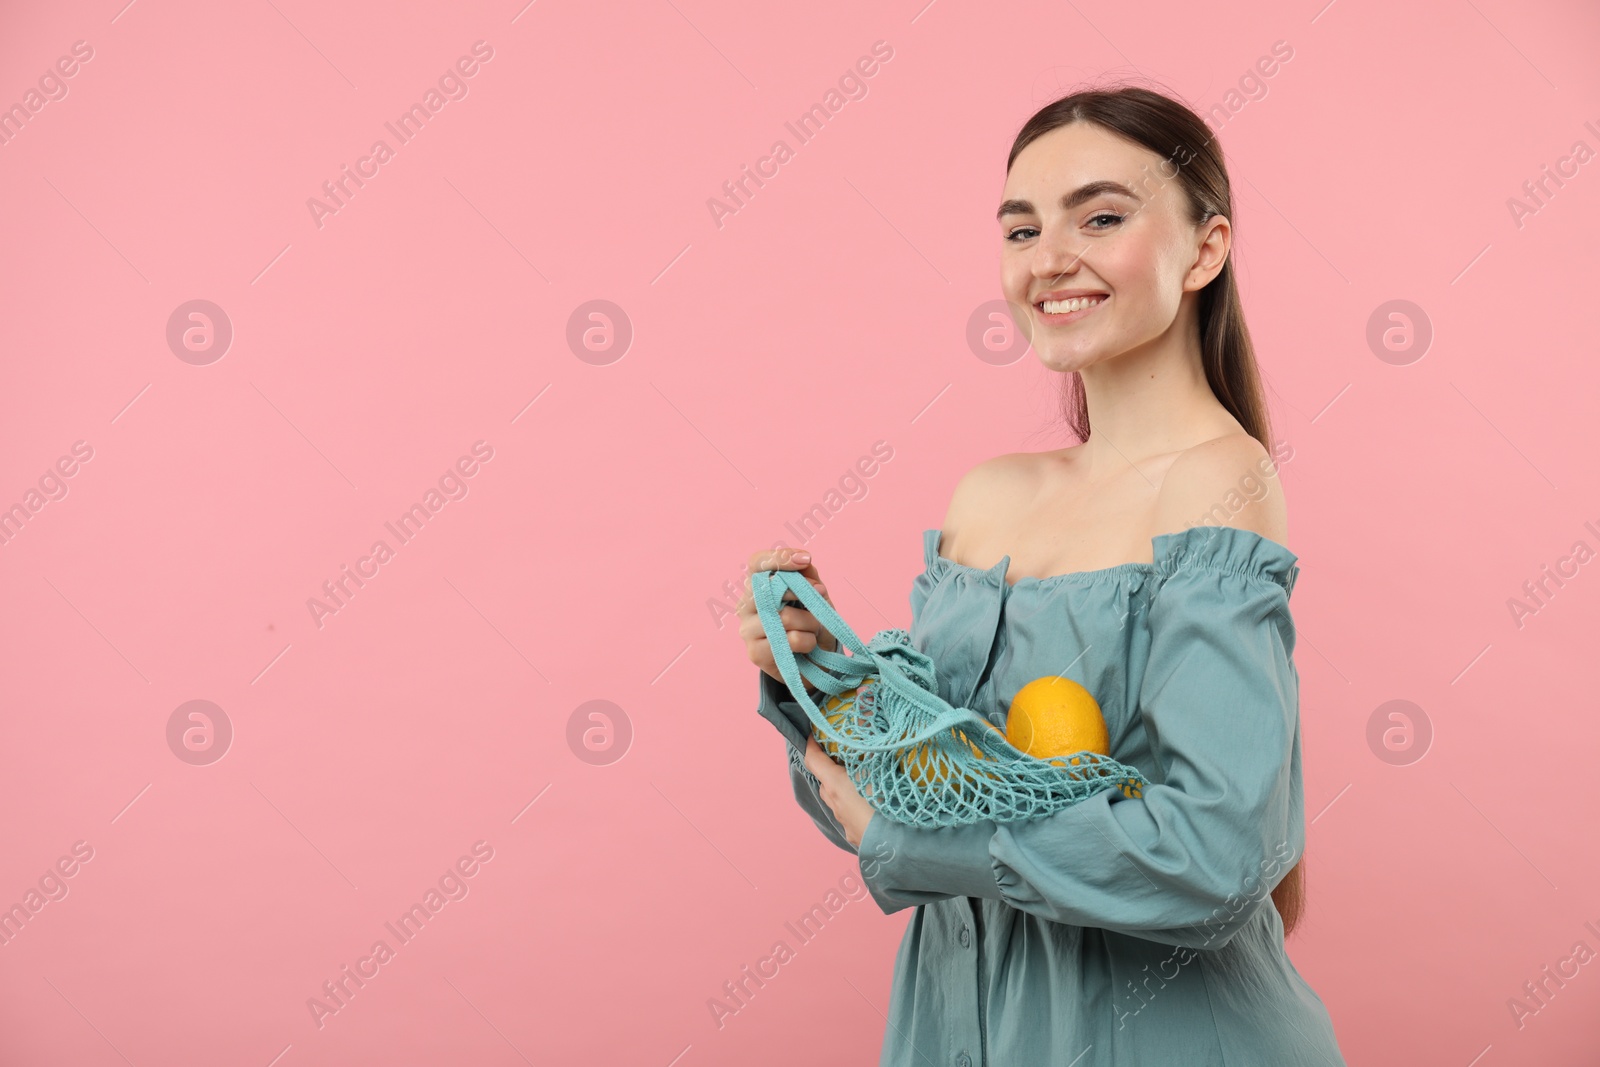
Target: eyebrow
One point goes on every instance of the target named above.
(1071, 200)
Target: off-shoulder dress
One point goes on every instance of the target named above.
(1122, 930)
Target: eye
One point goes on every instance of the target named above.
(1023, 233)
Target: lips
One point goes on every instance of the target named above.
(1067, 294)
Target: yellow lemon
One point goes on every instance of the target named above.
(834, 709)
(925, 766)
(1056, 716)
(978, 752)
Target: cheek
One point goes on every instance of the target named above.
(1128, 261)
(1015, 277)
(1144, 274)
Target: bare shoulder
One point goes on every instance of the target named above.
(986, 488)
(1227, 481)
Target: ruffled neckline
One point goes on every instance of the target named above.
(1226, 548)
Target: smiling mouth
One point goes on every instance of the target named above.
(1060, 312)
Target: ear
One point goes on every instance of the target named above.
(1215, 238)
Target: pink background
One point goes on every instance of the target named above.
(586, 559)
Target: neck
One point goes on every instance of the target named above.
(1152, 400)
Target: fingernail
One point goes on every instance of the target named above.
(801, 557)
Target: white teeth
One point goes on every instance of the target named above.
(1077, 303)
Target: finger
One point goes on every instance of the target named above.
(756, 566)
(813, 578)
(793, 614)
(794, 621)
(805, 630)
(800, 642)
(792, 602)
(822, 591)
(817, 761)
(782, 559)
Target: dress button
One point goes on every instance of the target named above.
(966, 937)
(963, 1060)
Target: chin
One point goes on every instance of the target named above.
(1066, 360)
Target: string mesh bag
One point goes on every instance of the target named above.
(916, 758)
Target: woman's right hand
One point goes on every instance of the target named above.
(801, 627)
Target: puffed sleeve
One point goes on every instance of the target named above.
(779, 707)
(1222, 820)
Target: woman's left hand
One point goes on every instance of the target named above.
(837, 791)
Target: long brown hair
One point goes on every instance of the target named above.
(1174, 132)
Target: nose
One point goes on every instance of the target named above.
(1056, 254)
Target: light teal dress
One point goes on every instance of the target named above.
(1120, 931)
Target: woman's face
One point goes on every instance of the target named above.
(1067, 230)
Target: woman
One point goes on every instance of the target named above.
(1148, 564)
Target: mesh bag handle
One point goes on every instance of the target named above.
(915, 757)
(838, 674)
